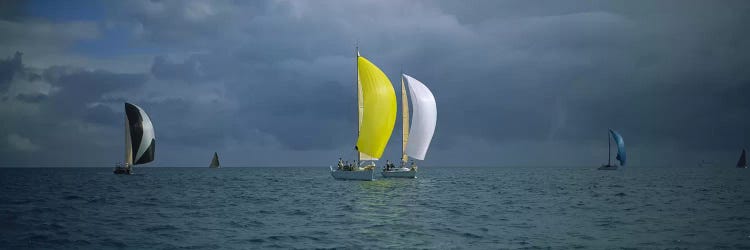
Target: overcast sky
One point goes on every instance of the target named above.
(517, 83)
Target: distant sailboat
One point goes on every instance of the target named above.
(140, 142)
(620, 151)
(742, 163)
(416, 141)
(214, 161)
(376, 116)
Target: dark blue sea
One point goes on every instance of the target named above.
(475, 208)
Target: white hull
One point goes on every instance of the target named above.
(363, 175)
(400, 173)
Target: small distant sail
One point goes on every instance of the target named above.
(215, 161)
(620, 147)
(424, 118)
(742, 163)
(377, 110)
(140, 142)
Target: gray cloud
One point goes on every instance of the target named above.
(34, 98)
(21, 143)
(188, 71)
(11, 10)
(8, 68)
(510, 77)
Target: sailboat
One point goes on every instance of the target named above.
(376, 116)
(742, 163)
(620, 151)
(416, 141)
(215, 161)
(140, 142)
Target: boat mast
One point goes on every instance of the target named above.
(609, 149)
(128, 162)
(127, 137)
(359, 101)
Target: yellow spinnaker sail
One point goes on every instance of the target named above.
(379, 112)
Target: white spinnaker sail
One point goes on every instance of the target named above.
(148, 134)
(424, 118)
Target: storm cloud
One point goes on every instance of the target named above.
(273, 82)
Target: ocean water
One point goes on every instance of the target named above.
(481, 208)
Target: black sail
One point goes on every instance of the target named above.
(143, 143)
(148, 156)
(214, 161)
(743, 160)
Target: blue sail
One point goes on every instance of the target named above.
(620, 147)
